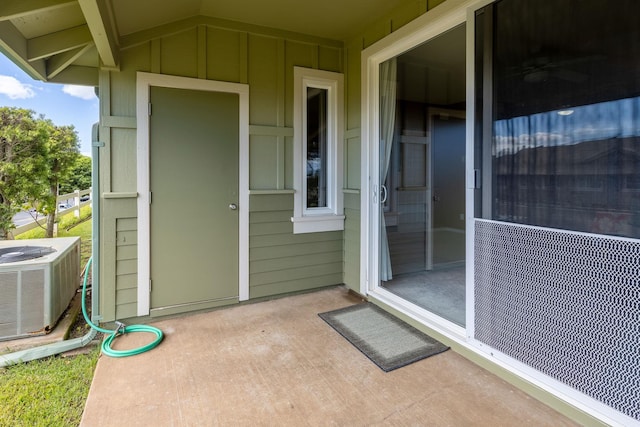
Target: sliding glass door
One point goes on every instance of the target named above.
(422, 169)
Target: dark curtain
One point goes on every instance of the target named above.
(565, 80)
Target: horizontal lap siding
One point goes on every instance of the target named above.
(126, 267)
(280, 261)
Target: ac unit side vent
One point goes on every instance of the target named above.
(35, 293)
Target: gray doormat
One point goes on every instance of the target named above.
(386, 340)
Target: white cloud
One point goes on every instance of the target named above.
(14, 89)
(82, 92)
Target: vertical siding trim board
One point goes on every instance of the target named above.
(202, 52)
(107, 292)
(244, 58)
(143, 85)
(105, 132)
(281, 89)
(281, 162)
(156, 55)
(281, 82)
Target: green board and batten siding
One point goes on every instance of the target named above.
(193, 48)
(264, 59)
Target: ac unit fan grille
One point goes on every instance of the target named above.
(23, 253)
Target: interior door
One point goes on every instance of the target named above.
(447, 202)
(193, 159)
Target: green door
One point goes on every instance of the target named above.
(194, 192)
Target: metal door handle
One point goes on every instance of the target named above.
(233, 206)
(384, 193)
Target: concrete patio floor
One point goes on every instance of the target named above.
(278, 363)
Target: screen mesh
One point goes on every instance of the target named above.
(566, 304)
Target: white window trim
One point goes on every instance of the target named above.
(330, 218)
(144, 81)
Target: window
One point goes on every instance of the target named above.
(561, 141)
(316, 145)
(318, 100)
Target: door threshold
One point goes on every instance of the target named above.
(439, 324)
(192, 306)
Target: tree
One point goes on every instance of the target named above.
(35, 156)
(79, 176)
(22, 165)
(61, 155)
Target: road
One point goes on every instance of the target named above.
(22, 218)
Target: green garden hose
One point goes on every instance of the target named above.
(122, 329)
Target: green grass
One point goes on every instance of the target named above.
(68, 226)
(47, 392)
(51, 391)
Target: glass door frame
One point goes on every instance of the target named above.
(445, 17)
(442, 18)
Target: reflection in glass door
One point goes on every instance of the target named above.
(422, 232)
(446, 234)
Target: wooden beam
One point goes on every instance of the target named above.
(77, 75)
(58, 42)
(58, 63)
(11, 9)
(100, 25)
(14, 46)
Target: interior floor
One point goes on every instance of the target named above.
(440, 291)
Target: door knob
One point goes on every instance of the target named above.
(233, 206)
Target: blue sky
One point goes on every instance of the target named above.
(62, 104)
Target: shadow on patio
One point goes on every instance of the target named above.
(278, 363)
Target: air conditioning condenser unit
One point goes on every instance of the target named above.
(38, 279)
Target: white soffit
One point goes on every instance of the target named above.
(49, 21)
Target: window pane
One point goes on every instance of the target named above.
(316, 147)
(566, 115)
